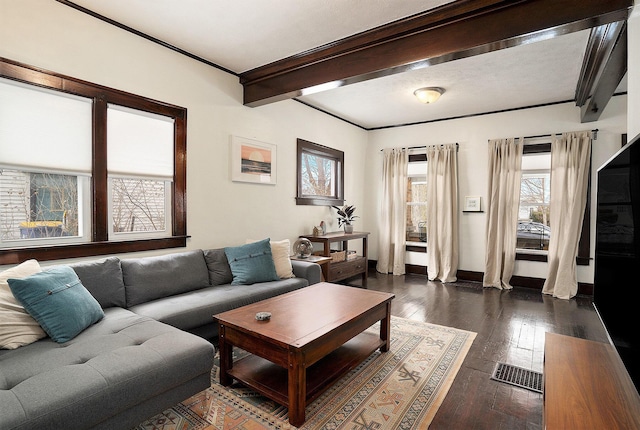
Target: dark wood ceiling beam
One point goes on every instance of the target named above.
(609, 75)
(602, 40)
(456, 30)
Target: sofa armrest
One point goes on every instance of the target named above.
(305, 269)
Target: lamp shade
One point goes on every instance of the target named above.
(429, 94)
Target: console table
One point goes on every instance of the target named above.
(586, 386)
(339, 270)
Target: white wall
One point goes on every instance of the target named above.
(472, 135)
(51, 36)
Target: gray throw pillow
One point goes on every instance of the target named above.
(150, 278)
(103, 279)
(218, 265)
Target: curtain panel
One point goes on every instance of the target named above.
(570, 161)
(442, 212)
(505, 173)
(393, 217)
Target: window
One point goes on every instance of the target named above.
(533, 230)
(38, 207)
(416, 228)
(320, 175)
(86, 170)
(138, 205)
(140, 172)
(45, 140)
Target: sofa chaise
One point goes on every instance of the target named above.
(150, 349)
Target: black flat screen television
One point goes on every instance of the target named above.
(617, 254)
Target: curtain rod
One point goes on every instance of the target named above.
(594, 133)
(421, 147)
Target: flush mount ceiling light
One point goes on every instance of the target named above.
(428, 94)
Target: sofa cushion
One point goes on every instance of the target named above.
(109, 368)
(17, 327)
(218, 265)
(280, 250)
(150, 278)
(58, 301)
(103, 279)
(195, 309)
(251, 263)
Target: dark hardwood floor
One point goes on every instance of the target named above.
(510, 327)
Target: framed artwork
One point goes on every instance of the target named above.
(472, 204)
(253, 161)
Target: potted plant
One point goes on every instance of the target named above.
(346, 217)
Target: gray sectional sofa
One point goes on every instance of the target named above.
(150, 351)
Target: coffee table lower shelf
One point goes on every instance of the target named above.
(272, 380)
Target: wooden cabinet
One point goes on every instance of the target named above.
(335, 271)
(586, 386)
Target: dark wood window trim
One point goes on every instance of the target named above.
(414, 248)
(414, 158)
(100, 244)
(306, 147)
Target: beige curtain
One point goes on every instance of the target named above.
(442, 212)
(570, 160)
(505, 172)
(393, 219)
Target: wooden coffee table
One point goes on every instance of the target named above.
(315, 335)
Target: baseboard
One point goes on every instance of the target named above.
(584, 289)
(415, 269)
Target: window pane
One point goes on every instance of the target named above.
(533, 217)
(318, 176)
(38, 205)
(138, 205)
(416, 209)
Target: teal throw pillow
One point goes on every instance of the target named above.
(58, 301)
(251, 263)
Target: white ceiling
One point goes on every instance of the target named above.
(241, 35)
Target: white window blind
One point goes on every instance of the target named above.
(417, 168)
(44, 130)
(537, 162)
(139, 143)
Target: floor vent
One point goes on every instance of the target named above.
(518, 376)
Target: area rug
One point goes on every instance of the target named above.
(402, 388)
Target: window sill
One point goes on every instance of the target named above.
(416, 247)
(533, 255)
(416, 243)
(45, 253)
(319, 201)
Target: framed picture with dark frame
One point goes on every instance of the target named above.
(320, 175)
(253, 161)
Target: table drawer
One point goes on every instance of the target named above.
(346, 269)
